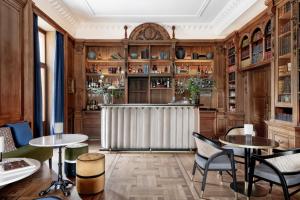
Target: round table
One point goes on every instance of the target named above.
(249, 142)
(60, 141)
(18, 175)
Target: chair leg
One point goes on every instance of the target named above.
(251, 174)
(50, 163)
(234, 176)
(203, 183)
(271, 187)
(194, 170)
(221, 176)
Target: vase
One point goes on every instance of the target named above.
(91, 55)
(180, 53)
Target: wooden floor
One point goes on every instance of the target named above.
(140, 176)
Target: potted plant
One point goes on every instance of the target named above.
(196, 85)
(194, 90)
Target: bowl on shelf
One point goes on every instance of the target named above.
(91, 55)
(133, 55)
(209, 55)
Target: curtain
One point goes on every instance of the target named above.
(38, 121)
(59, 80)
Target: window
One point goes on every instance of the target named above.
(42, 43)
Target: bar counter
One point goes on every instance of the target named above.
(148, 126)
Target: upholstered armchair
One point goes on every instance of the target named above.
(280, 168)
(211, 157)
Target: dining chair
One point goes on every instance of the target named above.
(239, 152)
(281, 168)
(211, 157)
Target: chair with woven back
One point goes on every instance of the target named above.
(281, 168)
(211, 157)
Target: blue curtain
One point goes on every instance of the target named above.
(38, 121)
(59, 79)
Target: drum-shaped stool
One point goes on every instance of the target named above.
(71, 154)
(90, 171)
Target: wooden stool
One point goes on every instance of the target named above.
(90, 171)
(71, 154)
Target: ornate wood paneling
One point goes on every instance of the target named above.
(149, 31)
(16, 66)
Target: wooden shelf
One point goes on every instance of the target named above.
(105, 75)
(161, 88)
(193, 61)
(285, 56)
(283, 105)
(284, 75)
(245, 58)
(137, 75)
(160, 74)
(256, 65)
(160, 61)
(187, 75)
(139, 60)
(286, 16)
(105, 61)
(138, 91)
(284, 34)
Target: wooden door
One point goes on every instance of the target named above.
(259, 99)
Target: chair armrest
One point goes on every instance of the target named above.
(228, 152)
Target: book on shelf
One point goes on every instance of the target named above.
(15, 166)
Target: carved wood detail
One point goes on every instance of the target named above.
(149, 31)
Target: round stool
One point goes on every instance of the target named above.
(71, 154)
(90, 170)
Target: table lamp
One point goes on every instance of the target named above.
(1, 147)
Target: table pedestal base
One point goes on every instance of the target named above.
(257, 191)
(59, 184)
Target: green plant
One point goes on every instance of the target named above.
(197, 85)
(194, 88)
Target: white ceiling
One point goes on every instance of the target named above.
(197, 19)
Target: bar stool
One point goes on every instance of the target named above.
(90, 171)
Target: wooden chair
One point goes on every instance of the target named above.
(211, 157)
(281, 168)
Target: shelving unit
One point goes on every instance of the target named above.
(105, 65)
(245, 52)
(284, 123)
(231, 80)
(257, 46)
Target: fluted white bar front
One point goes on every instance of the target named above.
(148, 127)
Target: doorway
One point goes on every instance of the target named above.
(259, 98)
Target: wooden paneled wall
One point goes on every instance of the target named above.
(16, 61)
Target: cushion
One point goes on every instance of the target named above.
(38, 153)
(21, 132)
(9, 144)
(221, 162)
(266, 172)
(236, 150)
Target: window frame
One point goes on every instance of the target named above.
(44, 66)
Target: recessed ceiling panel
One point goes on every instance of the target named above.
(145, 7)
(200, 11)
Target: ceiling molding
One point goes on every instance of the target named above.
(60, 13)
(232, 10)
(92, 26)
(202, 7)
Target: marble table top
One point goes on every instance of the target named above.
(58, 140)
